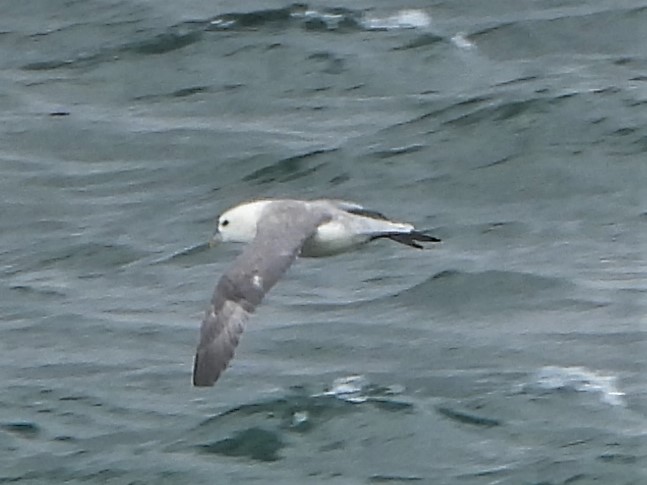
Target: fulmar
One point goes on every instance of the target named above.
(279, 230)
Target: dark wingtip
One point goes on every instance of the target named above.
(412, 238)
(421, 236)
(202, 377)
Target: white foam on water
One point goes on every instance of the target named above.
(461, 41)
(331, 20)
(403, 19)
(349, 388)
(579, 379)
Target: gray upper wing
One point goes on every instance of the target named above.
(357, 209)
(280, 234)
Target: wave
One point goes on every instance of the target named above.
(260, 430)
(296, 16)
(328, 19)
(459, 291)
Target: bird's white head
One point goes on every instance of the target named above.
(238, 224)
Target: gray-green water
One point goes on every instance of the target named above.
(514, 353)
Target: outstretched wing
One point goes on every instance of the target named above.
(280, 234)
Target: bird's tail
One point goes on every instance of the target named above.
(413, 238)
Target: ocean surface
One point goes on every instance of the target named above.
(514, 352)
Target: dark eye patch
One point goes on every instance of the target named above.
(224, 223)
